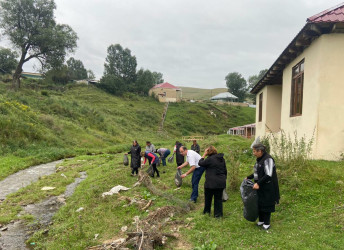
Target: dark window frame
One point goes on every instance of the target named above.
(296, 93)
(260, 108)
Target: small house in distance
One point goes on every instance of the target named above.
(32, 75)
(246, 131)
(166, 92)
(225, 96)
(302, 92)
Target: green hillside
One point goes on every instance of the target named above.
(40, 123)
(200, 94)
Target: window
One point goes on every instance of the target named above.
(260, 107)
(297, 90)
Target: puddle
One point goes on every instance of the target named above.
(17, 233)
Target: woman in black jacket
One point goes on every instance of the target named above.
(266, 184)
(135, 163)
(215, 180)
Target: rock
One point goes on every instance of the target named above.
(4, 229)
(47, 188)
(124, 228)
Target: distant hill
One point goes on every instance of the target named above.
(200, 94)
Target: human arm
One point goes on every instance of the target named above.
(183, 165)
(188, 172)
(153, 157)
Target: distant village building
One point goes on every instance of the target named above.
(32, 75)
(246, 131)
(225, 96)
(166, 92)
(303, 90)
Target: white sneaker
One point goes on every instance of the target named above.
(266, 227)
(260, 223)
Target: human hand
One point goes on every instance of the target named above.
(183, 175)
(179, 167)
(255, 186)
(126, 153)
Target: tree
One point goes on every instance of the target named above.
(58, 75)
(112, 84)
(30, 26)
(144, 82)
(236, 85)
(90, 75)
(120, 63)
(76, 69)
(8, 59)
(252, 81)
(158, 78)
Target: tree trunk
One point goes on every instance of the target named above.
(16, 77)
(19, 70)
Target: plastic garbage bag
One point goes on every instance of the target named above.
(150, 171)
(249, 197)
(178, 179)
(125, 160)
(170, 159)
(224, 195)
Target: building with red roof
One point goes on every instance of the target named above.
(166, 92)
(302, 92)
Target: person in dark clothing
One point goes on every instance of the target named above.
(163, 152)
(195, 147)
(179, 156)
(266, 184)
(135, 151)
(215, 180)
(154, 159)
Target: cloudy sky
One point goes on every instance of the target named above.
(194, 43)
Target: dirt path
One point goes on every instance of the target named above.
(25, 177)
(18, 232)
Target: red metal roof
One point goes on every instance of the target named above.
(334, 14)
(166, 85)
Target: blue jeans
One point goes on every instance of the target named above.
(164, 156)
(196, 177)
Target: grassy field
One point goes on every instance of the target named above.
(310, 214)
(43, 125)
(200, 94)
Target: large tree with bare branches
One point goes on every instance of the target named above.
(30, 26)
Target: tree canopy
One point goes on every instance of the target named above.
(236, 85)
(120, 63)
(120, 73)
(8, 59)
(252, 81)
(30, 26)
(76, 69)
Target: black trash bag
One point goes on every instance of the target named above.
(178, 179)
(224, 195)
(170, 159)
(249, 197)
(125, 160)
(150, 171)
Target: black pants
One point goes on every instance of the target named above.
(135, 170)
(265, 217)
(155, 170)
(208, 197)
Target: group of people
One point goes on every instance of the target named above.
(214, 166)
